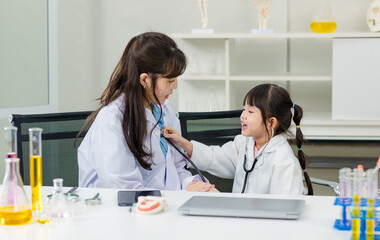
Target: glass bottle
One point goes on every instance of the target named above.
(10, 142)
(58, 206)
(14, 205)
(212, 102)
(35, 154)
(323, 20)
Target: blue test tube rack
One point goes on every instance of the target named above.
(345, 223)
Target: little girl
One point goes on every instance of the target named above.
(260, 160)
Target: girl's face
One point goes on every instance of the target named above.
(164, 88)
(252, 124)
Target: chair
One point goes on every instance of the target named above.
(59, 155)
(211, 128)
(217, 128)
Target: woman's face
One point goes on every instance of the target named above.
(164, 88)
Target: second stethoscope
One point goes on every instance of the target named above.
(247, 171)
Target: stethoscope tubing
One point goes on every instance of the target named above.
(188, 159)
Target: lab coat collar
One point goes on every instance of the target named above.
(120, 103)
(272, 146)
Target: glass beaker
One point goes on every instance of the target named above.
(10, 142)
(323, 20)
(14, 205)
(58, 205)
(35, 154)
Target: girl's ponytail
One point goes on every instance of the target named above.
(298, 113)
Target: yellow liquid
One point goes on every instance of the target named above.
(323, 27)
(9, 215)
(36, 182)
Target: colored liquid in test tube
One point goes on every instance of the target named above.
(35, 153)
(371, 186)
(10, 142)
(358, 179)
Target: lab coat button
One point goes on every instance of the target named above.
(157, 132)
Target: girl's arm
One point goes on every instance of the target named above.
(220, 161)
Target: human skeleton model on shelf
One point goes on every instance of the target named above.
(203, 8)
(263, 6)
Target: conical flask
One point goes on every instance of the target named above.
(323, 20)
(14, 205)
(58, 205)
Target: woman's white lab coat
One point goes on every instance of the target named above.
(277, 170)
(105, 160)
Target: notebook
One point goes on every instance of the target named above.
(243, 207)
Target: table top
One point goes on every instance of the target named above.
(109, 221)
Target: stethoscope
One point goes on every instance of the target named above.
(247, 171)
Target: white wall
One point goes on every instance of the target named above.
(93, 33)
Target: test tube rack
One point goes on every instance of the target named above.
(345, 223)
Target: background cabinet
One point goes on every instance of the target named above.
(228, 65)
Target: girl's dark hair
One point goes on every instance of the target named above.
(275, 101)
(155, 54)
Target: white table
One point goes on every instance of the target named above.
(109, 221)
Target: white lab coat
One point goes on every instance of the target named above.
(105, 160)
(277, 170)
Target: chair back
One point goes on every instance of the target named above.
(212, 128)
(59, 155)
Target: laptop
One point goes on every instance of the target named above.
(243, 207)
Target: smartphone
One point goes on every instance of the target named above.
(128, 198)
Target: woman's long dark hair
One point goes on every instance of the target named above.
(156, 55)
(275, 101)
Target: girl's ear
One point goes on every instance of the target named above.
(272, 123)
(145, 80)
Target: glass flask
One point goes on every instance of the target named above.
(35, 154)
(58, 205)
(323, 20)
(14, 205)
(10, 142)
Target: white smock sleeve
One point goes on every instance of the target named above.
(219, 161)
(114, 161)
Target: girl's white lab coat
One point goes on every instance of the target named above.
(105, 160)
(277, 170)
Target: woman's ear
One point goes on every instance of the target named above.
(145, 80)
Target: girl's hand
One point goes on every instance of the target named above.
(173, 135)
(176, 138)
(199, 186)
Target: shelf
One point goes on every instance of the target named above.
(263, 77)
(276, 35)
(285, 77)
(203, 77)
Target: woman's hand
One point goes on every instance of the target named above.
(176, 138)
(199, 186)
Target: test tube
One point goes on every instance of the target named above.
(10, 142)
(345, 182)
(35, 153)
(358, 176)
(371, 186)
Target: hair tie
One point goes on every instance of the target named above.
(299, 149)
(297, 126)
(293, 105)
(304, 170)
